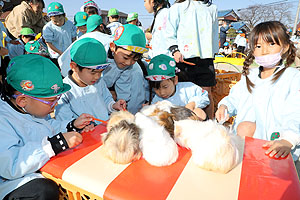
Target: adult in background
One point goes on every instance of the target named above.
(223, 33)
(27, 14)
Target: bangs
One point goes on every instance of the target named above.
(154, 84)
(269, 32)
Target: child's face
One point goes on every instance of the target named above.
(122, 57)
(167, 88)
(86, 76)
(58, 20)
(37, 8)
(82, 29)
(264, 48)
(149, 5)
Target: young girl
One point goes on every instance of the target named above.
(192, 35)
(29, 92)
(59, 33)
(158, 27)
(267, 98)
(162, 78)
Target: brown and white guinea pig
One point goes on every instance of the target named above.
(121, 142)
(213, 147)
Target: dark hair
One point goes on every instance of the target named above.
(157, 4)
(27, 36)
(156, 85)
(136, 55)
(6, 89)
(271, 31)
(90, 9)
(36, 2)
(114, 16)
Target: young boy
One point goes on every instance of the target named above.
(89, 92)
(113, 18)
(59, 33)
(162, 78)
(26, 35)
(124, 74)
(80, 20)
(29, 92)
(94, 26)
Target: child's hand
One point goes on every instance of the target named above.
(88, 128)
(73, 138)
(3, 51)
(220, 114)
(119, 105)
(178, 57)
(83, 120)
(279, 148)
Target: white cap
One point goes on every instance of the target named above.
(1, 3)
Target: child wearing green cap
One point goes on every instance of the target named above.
(35, 47)
(162, 78)
(89, 92)
(26, 35)
(113, 19)
(80, 20)
(124, 73)
(59, 33)
(30, 90)
(91, 8)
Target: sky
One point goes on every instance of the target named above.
(73, 6)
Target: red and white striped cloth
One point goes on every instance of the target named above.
(256, 177)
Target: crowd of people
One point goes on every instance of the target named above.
(88, 69)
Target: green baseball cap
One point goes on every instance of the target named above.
(35, 47)
(160, 68)
(90, 53)
(80, 18)
(130, 37)
(112, 12)
(35, 76)
(55, 8)
(93, 22)
(132, 16)
(27, 31)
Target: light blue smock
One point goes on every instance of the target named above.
(193, 26)
(274, 107)
(129, 83)
(65, 59)
(60, 36)
(185, 93)
(113, 26)
(93, 99)
(16, 49)
(21, 147)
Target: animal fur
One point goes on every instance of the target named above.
(158, 148)
(164, 119)
(213, 147)
(121, 142)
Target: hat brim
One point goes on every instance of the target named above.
(55, 13)
(90, 29)
(80, 24)
(158, 77)
(102, 66)
(135, 49)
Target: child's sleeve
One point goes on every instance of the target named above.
(73, 31)
(172, 26)
(48, 33)
(18, 160)
(123, 85)
(198, 95)
(63, 111)
(291, 114)
(106, 95)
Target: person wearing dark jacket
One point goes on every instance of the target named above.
(223, 32)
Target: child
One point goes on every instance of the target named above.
(162, 78)
(59, 33)
(91, 8)
(132, 18)
(268, 96)
(113, 18)
(158, 27)
(226, 50)
(26, 35)
(94, 28)
(80, 20)
(192, 35)
(89, 92)
(35, 47)
(124, 73)
(240, 41)
(29, 92)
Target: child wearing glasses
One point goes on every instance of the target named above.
(30, 89)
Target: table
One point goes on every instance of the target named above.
(84, 170)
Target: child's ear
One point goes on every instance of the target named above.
(176, 80)
(21, 101)
(112, 47)
(73, 66)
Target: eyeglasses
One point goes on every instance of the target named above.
(51, 104)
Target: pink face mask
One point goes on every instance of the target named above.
(268, 61)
